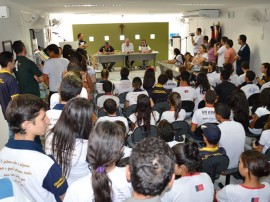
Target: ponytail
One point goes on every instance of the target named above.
(175, 100)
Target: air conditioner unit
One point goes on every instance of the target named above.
(4, 12)
(205, 13)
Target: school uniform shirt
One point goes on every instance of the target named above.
(265, 140)
(261, 111)
(204, 115)
(54, 114)
(232, 140)
(241, 79)
(214, 78)
(170, 84)
(224, 90)
(265, 85)
(186, 92)
(132, 97)
(153, 120)
(241, 193)
(172, 143)
(79, 165)
(205, 152)
(8, 89)
(37, 174)
(234, 79)
(197, 187)
(113, 119)
(159, 94)
(221, 55)
(123, 86)
(169, 116)
(199, 96)
(103, 98)
(250, 89)
(82, 190)
(179, 60)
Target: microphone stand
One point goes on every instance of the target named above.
(59, 36)
(185, 38)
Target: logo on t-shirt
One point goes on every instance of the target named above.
(186, 91)
(199, 187)
(255, 199)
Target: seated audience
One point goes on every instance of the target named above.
(264, 142)
(241, 78)
(252, 166)
(250, 88)
(127, 150)
(124, 85)
(211, 137)
(176, 112)
(178, 59)
(188, 61)
(149, 80)
(201, 57)
(233, 77)
(267, 81)
(106, 182)
(213, 75)
(262, 80)
(192, 186)
(159, 93)
(150, 170)
(171, 83)
(104, 77)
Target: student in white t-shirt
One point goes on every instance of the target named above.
(252, 166)
(241, 78)
(67, 140)
(264, 142)
(187, 92)
(233, 77)
(124, 85)
(192, 186)
(250, 88)
(104, 77)
(266, 81)
(176, 113)
(171, 83)
(105, 147)
(131, 97)
(220, 52)
(212, 75)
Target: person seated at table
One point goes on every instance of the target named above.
(200, 58)
(107, 49)
(144, 48)
(127, 47)
(178, 59)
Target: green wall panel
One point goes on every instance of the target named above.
(98, 31)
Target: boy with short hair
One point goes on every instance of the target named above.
(159, 93)
(250, 88)
(124, 85)
(150, 170)
(108, 89)
(241, 78)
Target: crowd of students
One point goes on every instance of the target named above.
(78, 161)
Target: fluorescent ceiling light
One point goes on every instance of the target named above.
(92, 5)
(199, 4)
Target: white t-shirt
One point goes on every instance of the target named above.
(99, 88)
(250, 89)
(240, 193)
(241, 78)
(198, 39)
(179, 60)
(123, 86)
(54, 68)
(199, 96)
(82, 190)
(221, 56)
(266, 85)
(132, 97)
(153, 120)
(55, 98)
(169, 116)
(170, 84)
(129, 48)
(232, 140)
(204, 115)
(53, 115)
(172, 143)
(144, 48)
(79, 165)
(265, 140)
(193, 188)
(186, 92)
(214, 78)
(103, 98)
(262, 111)
(234, 79)
(113, 119)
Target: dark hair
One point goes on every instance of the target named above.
(104, 73)
(18, 46)
(124, 72)
(225, 74)
(210, 97)
(175, 101)
(149, 78)
(203, 83)
(214, 66)
(144, 111)
(105, 146)
(79, 58)
(137, 83)
(228, 66)
(110, 106)
(176, 51)
(23, 108)
(74, 123)
(74, 67)
(206, 38)
(66, 51)
(240, 108)
(79, 35)
(83, 52)
(70, 87)
(5, 58)
(212, 43)
(162, 79)
(169, 73)
(204, 47)
(243, 38)
(250, 75)
(151, 166)
(230, 43)
(267, 74)
(266, 65)
(107, 86)
(188, 154)
(54, 48)
(224, 39)
(245, 65)
(165, 131)
(199, 30)
(256, 163)
(223, 109)
(185, 75)
(265, 98)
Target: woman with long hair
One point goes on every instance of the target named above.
(178, 57)
(201, 57)
(143, 116)
(213, 75)
(107, 182)
(211, 55)
(149, 79)
(67, 140)
(253, 165)
(193, 185)
(176, 112)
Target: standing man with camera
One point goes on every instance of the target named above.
(197, 40)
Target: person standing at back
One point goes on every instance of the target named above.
(243, 54)
(54, 69)
(26, 71)
(220, 51)
(197, 40)
(82, 44)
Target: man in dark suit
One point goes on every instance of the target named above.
(243, 54)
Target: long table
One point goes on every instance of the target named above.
(164, 66)
(120, 57)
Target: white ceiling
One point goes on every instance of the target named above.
(132, 6)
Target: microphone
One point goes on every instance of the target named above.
(55, 32)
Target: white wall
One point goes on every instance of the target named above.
(240, 23)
